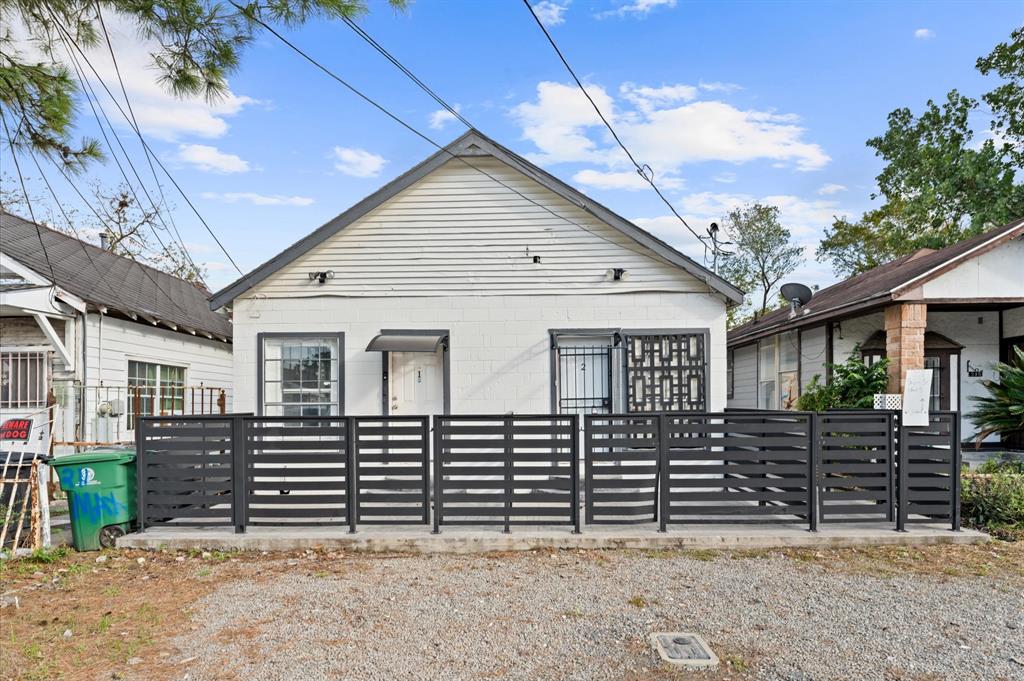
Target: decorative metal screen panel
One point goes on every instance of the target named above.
(666, 372)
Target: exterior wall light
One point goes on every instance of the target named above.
(321, 277)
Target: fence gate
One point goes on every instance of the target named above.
(505, 470)
(857, 466)
(621, 469)
(737, 468)
(297, 471)
(186, 471)
(392, 456)
(929, 471)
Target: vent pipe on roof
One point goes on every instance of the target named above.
(105, 241)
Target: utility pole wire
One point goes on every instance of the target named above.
(644, 170)
(147, 147)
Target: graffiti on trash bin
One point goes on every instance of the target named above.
(93, 506)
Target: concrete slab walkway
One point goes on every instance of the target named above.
(418, 539)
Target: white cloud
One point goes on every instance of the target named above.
(551, 13)
(725, 178)
(443, 117)
(716, 86)
(626, 179)
(211, 159)
(637, 8)
(258, 199)
(924, 34)
(358, 162)
(829, 189)
(663, 130)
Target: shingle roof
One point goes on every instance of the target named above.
(103, 278)
(868, 288)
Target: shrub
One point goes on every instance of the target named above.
(994, 502)
(853, 386)
(1002, 409)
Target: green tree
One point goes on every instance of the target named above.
(1007, 100)
(939, 185)
(764, 253)
(200, 43)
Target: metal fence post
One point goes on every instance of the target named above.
(425, 423)
(239, 502)
(663, 476)
(903, 479)
(350, 473)
(437, 473)
(814, 447)
(140, 472)
(890, 471)
(588, 469)
(574, 471)
(955, 455)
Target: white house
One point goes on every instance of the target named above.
(478, 283)
(102, 337)
(957, 311)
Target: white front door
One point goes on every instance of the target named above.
(416, 383)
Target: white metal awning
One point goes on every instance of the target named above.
(406, 342)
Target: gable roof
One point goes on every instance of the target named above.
(109, 280)
(473, 143)
(876, 286)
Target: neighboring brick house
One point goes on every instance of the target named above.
(478, 283)
(956, 311)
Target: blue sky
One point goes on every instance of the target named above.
(728, 102)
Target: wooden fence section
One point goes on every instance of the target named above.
(857, 466)
(297, 471)
(621, 469)
(505, 470)
(186, 472)
(737, 467)
(392, 456)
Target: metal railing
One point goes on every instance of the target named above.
(503, 470)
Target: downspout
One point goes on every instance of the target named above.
(85, 374)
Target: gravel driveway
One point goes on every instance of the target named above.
(578, 615)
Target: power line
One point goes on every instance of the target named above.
(90, 97)
(145, 145)
(642, 170)
(28, 201)
(149, 160)
(416, 132)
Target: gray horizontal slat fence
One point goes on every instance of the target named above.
(621, 468)
(392, 456)
(297, 471)
(929, 471)
(185, 471)
(857, 465)
(505, 470)
(738, 467)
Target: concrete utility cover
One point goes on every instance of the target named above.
(684, 650)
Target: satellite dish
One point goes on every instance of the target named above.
(797, 294)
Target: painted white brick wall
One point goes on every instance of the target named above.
(500, 346)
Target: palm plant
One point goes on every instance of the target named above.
(1002, 409)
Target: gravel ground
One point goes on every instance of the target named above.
(575, 615)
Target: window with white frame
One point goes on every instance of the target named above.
(767, 371)
(301, 375)
(789, 367)
(23, 378)
(778, 371)
(154, 390)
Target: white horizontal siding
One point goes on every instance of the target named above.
(457, 232)
(812, 355)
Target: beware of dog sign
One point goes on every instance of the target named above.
(16, 429)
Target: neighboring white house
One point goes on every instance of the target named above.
(477, 283)
(102, 337)
(957, 311)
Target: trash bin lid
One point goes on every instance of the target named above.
(122, 456)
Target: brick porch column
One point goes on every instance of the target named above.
(904, 340)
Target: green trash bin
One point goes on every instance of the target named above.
(101, 496)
